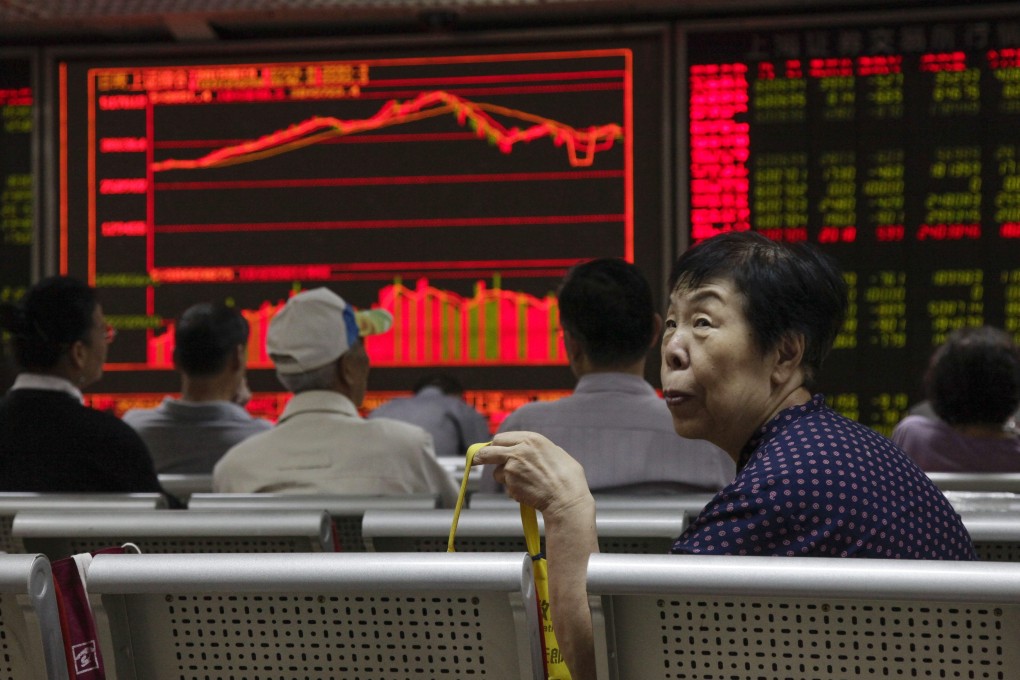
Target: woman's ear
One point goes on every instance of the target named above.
(789, 357)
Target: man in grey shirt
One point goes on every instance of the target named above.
(188, 435)
(438, 406)
(615, 424)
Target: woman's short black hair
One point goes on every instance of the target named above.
(53, 314)
(606, 305)
(974, 377)
(207, 334)
(787, 288)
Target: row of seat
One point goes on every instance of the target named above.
(473, 615)
(182, 486)
(59, 525)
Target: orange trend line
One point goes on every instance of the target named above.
(581, 145)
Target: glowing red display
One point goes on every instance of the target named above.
(891, 147)
(452, 187)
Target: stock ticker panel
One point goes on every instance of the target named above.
(16, 180)
(893, 147)
(452, 189)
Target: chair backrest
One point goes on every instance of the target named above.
(501, 531)
(31, 643)
(59, 534)
(454, 466)
(977, 481)
(345, 510)
(671, 504)
(996, 535)
(183, 486)
(716, 617)
(983, 501)
(11, 503)
(335, 615)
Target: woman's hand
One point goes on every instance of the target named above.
(536, 472)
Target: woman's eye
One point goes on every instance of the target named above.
(670, 323)
(701, 322)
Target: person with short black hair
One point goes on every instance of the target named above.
(748, 325)
(188, 435)
(438, 407)
(973, 385)
(49, 440)
(615, 424)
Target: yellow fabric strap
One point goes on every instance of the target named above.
(531, 537)
(555, 665)
(472, 450)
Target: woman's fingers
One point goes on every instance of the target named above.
(534, 470)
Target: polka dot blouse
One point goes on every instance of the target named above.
(812, 482)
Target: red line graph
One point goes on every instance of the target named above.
(581, 145)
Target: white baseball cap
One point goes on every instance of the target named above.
(316, 327)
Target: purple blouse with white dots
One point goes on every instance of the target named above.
(812, 482)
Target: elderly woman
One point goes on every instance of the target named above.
(748, 325)
(49, 440)
(973, 386)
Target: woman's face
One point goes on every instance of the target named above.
(716, 383)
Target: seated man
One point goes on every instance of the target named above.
(614, 423)
(188, 435)
(438, 406)
(320, 443)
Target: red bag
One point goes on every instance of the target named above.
(81, 646)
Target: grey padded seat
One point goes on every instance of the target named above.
(996, 535)
(317, 616)
(183, 486)
(715, 617)
(31, 643)
(11, 503)
(690, 504)
(501, 530)
(976, 481)
(59, 534)
(345, 510)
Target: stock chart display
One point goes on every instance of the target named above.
(453, 189)
(895, 148)
(17, 222)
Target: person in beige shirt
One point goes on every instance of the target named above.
(320, 443)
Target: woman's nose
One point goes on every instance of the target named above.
(674, 352)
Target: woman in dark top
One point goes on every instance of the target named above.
(973, 386)
(748, 325)
(49, 440)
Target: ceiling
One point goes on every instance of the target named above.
(47, 22)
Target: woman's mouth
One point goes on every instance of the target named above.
(675, 397)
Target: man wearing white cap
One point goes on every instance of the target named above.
(320, 443)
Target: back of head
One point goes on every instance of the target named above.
(54, 314)
(606, 305)
(974, 377)
(444, 381)
(207, 335)
(786, 288)
(313, 330)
